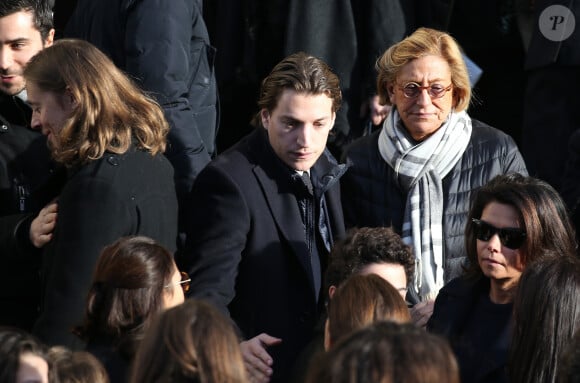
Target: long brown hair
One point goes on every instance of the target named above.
(110, 111)
(362, 300)
(127, 292)
(192, 342)
(387, 352)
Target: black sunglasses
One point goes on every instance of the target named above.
(510, 237)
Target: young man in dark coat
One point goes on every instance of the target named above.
(267, 213)
(25, 166)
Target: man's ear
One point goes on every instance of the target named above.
(49, 38)
(265, 118)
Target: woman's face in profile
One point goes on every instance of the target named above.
(50, 112)
(32, 369)
(424, 112)
(496, 260)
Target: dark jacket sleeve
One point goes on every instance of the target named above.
(169, 61)
(91, 215)
(217, 238)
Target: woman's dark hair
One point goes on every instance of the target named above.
(387, 352)
(546, 317)
(13, 343)
(192, 342)
(542, 214)
(127, 291)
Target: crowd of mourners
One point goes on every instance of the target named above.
(422, 251)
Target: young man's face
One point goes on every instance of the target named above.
(298, 127)
(19, 41)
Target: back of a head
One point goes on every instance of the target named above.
(13, 344)
(546, 317)
(75, 367)
(387, 352)
(192, 342)
(127, 290)
(364, 246)
(362, 300)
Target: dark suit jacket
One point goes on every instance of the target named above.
(246, 250)
(115, 196)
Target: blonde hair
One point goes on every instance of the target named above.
(425, 42)
(110, 111)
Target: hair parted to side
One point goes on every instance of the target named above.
(111, 112)
(546, 317)
(192, 342)
(542, 215)
(69, 366)
(127, 291)
(302, 73)
(360, 301)
(41, 10)
(13, 343)
(364, 246)
(387, 352)
(424, 42)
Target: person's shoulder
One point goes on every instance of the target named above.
(361, 146)
(459, 287)
(484, 132)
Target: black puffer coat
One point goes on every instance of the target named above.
(371, 195)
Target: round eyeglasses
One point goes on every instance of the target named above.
(185, 282)
(412, 90)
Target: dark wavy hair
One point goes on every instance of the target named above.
(364, 246)
(13, 343)
(127, 292)
(542, 214)
(546, 317)
(41, 13)
(387, 352)
(302, 73)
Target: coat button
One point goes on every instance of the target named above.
(113, 160)
(3, 128)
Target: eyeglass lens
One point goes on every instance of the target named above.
(185, 281)
(412, 90)
(510, 237)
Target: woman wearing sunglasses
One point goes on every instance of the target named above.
(134, 280)
(514, 220)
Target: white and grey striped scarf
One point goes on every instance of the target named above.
(419, 168)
